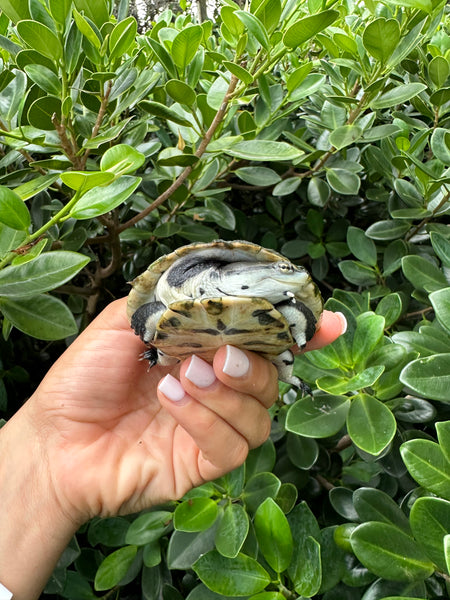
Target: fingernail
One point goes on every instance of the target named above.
(343, 321)
(200, 372)
(236, 362)
(171, 388)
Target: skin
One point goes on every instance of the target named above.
(98, 438)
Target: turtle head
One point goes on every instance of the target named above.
(274, 281)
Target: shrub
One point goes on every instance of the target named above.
(318, 129)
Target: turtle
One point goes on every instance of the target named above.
(208, 294)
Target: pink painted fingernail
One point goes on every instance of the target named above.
(171, 388)
(343, 321)
(200, 372)
(236, 362)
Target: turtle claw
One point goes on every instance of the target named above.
(151, 355)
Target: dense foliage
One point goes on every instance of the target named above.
(316, 128)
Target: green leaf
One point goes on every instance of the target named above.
(423, 274)
(440, 301)
(357, 273)
(361, 246)
(381, 37)
(185, 548)
(40, 38)
(308, 576)
(318, 417)
(101, 200)
(43, 317)
(262, 150)
(96, 11)
(274, 535)
(260, 176)
(13, 211)
(185, 45)
(440, 243)
(83, 181)
(34, 186)
(307, 27)
(163, 112)
(443, 433)
(429, 376)
(181, 92)
(372, 504)
(238, 71)
(122, 37)
(45, 78)
(343, 181)
(425, 5)
(148, 527)
(368, 334)
(59, 10)
(232, 530)
(342, 385)
(16, 10)
(114, 568)
(258, 488)
(195, 514)
(438, 71)
(121, 159)
(40, 113)
(440, 144)
(390, 553)
(241, 576)
(44, 273)
(428, 465)
(430, 523)
(370, 424)
(255, 27)
(390, 307)
(344, 136)
(398, 95)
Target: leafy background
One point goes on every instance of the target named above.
(316, 128)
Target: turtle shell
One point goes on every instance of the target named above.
(201, 325)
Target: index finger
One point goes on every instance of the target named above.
(333, 325)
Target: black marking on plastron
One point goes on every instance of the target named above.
(190, 345)
(190, 266)
(182, 313)
(264, 318)
(201, 291)
(244, 287)
(235, 331)
(160, 335)
(214, 308)
(207, 331)
(174, 322)
(284, 336)
(220, 325)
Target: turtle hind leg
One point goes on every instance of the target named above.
(156, 357)
(284, 362)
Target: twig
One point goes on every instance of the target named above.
(188, 170)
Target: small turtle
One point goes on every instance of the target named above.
(205, 295)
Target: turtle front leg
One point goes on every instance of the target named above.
(302, 322)
(145, 319)
(284, 362)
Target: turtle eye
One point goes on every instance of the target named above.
(285, 267)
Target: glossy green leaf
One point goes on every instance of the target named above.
(148, 527)
(185, 548)
(255, 27)
(232, 530)
(428, 465)
(185, 45)
(40, 38)
(259, 487)
(238, 71)
(258, 175)
(13, 211)
(440, 301)
(121, 159)
(425, 5)
(443, 433)
(41, 112)
(307, 27)
(372, 504)
(96, 11)
(34, 186)
(390, 553)
(398, 95)
(441, 246)
(263, 150)
(430, 523)
(181, 92)
(440, 144)
(45, 78)
(60, 9)
(101, 200)
(160, 110)
(44, 273)
(318, 417)
(387, 230)
(43, 317)
(343, 181)
(345, 135)
(241, 576)
(357, 273)
(369, 331)
(361, 246)
(342, 385)
(122, 37)
(114, 568)
(16, 10)
(274, 535)
(195, 514)
(429, 376)
(381, 37)
(370, 424)
(423, 274)
(83, 181)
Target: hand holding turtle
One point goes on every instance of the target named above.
(98, 438)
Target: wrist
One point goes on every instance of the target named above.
(34, 528)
